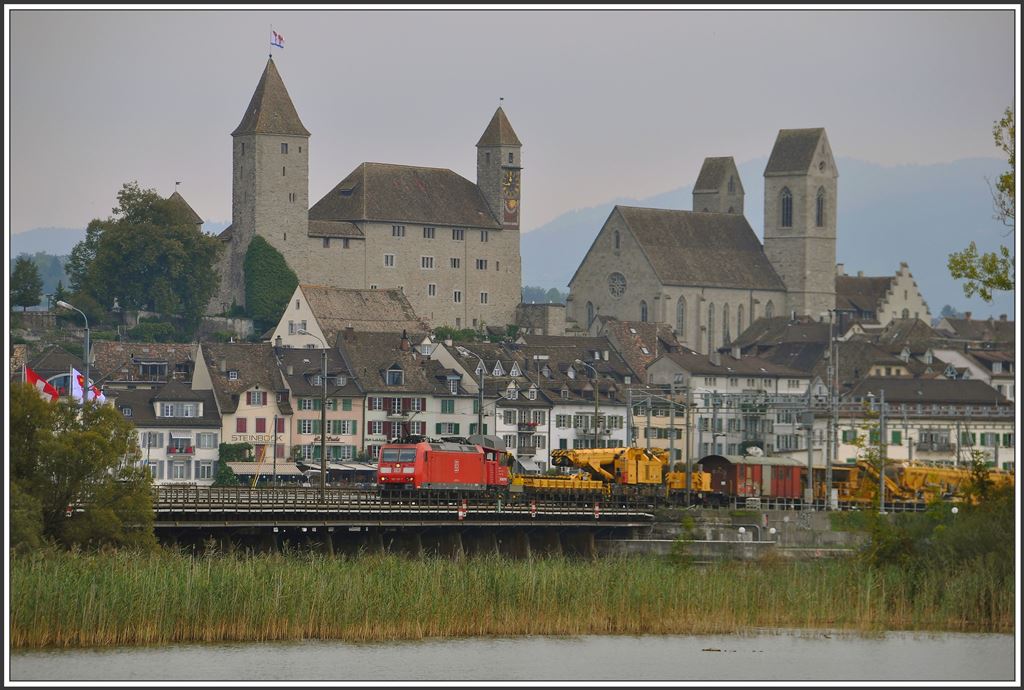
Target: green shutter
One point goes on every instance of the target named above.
(316, 426)
(472, 428)
(316, 403)
(316, 452)
(346, 404)
(485, 429)
(897, 438)
(456, 428)
(1006, 441)
(874, 436)
(437, 429)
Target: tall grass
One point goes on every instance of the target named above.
(77, 599)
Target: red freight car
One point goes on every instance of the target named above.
(741, 476)
(444, 464)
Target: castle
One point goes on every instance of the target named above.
(704, 271)
(450, 244)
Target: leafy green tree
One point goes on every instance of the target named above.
(60, 293)
(269, 283)
(225, 476)
(992, 271)
(148, 255)
(63, 454)
(26, 285)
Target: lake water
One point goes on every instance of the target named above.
(764, 656)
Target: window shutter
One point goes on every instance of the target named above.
(897, 438)
(1006, 440)
(485, 429)
(346, 404)
(316, 426)
(369, 427)
(316, 404)
(423, 404)
(456, 429)
(248, 397)
(406, 404)
(437, 428)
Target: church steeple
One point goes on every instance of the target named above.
(271, 110)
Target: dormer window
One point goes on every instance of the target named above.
(565, 394)
(498, 370)
(531, 394)
(453, 386)
(233, 375)
(644, 350)
(512, 393)
(515, 370)
(997, 367)
(395, 376)
(905, 355)
(126, 411)
(928, 357)
(480, 369)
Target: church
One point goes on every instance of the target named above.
(705, 272)
(450, 244)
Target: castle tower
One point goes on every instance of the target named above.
(499, 168)
(800, 196)
(718, 188)
(270, 181)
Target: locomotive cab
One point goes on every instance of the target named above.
(440, 464)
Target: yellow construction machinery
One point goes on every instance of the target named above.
(636, 467)
(904, 482)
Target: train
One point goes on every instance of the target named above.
(479, 465)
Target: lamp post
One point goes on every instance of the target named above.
(480, 395)
(596, 398)
(86, 389)
(323, 417)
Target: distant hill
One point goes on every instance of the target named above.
(914, 213)
(60, 241)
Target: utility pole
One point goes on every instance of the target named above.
(629, 417)
(647, 431)
(882, 450)
(809, 429)
(689, 477)
(672, 425)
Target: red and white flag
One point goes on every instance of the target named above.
(276, 39)
(44, 387)
(78, 383)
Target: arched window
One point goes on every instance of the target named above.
(769, 310)
(725, 324)
(643, 311)
(590, 313)
(787, 208)
(739, 319)
(681, 317)
(906, 313)
(711, 328)
(616, 239)
(732, 185)
(819, 213)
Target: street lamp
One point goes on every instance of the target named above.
(596, 398)
(323, 416)
(86, 387)
(480, 393)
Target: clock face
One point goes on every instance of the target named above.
(511, 183)
(617, 284)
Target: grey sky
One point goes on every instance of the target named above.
(607, 103)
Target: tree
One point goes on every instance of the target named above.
(269, 283)
(64, 454)
(991, 271)
(26, 285)
(148, 255)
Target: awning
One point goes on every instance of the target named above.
(528, 466)
(283, 469)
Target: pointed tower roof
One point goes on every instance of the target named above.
(499, 132)
(793, 151)
(271, 110)
(713, 173)
(180, 200)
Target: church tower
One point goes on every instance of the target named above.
(718, 188)
(270, 181)
(499, 168)
(800, 195)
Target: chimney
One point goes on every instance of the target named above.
(967, 315)
(1002, 317)
(606, 353)
(736, 354)
(716, 358)
(448, 342)
(860, 274)
(840, 270)
(290, 370)
(223, 365)
(348, 333)
(405, 343)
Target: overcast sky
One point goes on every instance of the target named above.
(608, 104)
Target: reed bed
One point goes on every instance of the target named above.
(80, 599)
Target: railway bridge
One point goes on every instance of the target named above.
(354, 521)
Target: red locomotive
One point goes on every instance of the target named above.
(446, 464)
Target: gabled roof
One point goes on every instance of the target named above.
(937, 390)
(333, 228)
(336, 309)
(57, 360)
(140, 401)
(271, 110)
(690, 248)
(386, 193)
(370, 355)
(713, 174)
(696, 363)
(499, 132)
(176, 391)
(179, 200)
(765, 332)
(793, 151)
(914, 334)
(306, 363)
(120, 360)
(983, 330)
(255, 365)
(631, 338)
(861, 293)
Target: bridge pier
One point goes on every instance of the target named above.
(548, 542)
(450, 545)
(481, 543)
(268, 541)
(580, 543)
(407, 543)
(515, 544)
(225, 543)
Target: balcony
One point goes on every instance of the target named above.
(926, 447)
(527, 427)
(398, 415)
(180, 451)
